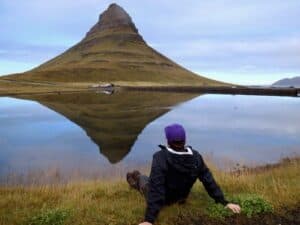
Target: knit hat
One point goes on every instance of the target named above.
(175, 132)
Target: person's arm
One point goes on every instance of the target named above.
(213, 189)
(210, 184)
(157, 190)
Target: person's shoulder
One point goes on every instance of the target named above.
(161, 152)
(198, 157)
(195, 152)
(160, 158)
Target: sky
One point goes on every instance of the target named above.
(243, 42)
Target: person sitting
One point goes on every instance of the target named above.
(175, 168)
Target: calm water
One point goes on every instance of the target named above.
(89, 135)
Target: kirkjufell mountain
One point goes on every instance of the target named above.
(113, 51)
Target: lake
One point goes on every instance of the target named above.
(91, 135)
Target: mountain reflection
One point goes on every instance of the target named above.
(114, 121)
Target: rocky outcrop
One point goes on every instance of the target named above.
(115, 17)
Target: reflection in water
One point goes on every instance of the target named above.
(249, 130)
(114, 121)
(230, 129)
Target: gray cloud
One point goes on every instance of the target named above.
(247, 36)
(23, 52)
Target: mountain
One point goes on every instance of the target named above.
(113, 51)
(295, 81)
(113, 122)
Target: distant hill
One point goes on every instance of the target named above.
(295, 81)
(113, 51)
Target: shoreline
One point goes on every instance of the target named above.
(292, 92)
(9, 87)
(55, 176)
(280, 92)
(107, 202)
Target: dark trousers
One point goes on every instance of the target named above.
(143, 185)
(143, 188)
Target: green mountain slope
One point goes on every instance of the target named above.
(114, 51)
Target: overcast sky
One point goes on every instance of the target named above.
(245, 42)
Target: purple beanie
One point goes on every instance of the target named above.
(175, 132)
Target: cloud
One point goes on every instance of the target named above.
(243, 113)
(257, 59)
(32, 53)
(204, 36)
(224, 47)
(197, 17)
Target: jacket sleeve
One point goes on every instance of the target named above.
(212, 188)
(157, 190)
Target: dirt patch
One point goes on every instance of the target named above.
(287, 217)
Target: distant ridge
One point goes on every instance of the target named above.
(114, 51)
(295, 81)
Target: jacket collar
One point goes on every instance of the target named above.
(188, 152)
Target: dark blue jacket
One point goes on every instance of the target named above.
(172, 177)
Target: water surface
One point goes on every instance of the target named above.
(90, 134)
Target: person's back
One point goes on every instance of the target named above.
(175, 168)
(181, 172)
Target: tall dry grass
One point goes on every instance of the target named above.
(113, 202)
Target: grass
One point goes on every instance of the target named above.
(251, 205)
(55, 216)
(113, 202)
(11, 86)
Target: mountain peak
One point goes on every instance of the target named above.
(114, 51)
(114, 17)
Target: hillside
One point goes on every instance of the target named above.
(113, 51)
(295, 81)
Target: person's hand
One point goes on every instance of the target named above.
(233, 207)
(145, 223)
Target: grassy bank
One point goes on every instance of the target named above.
(113, 202)
(11, 87)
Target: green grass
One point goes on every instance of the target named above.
(114, 203)
(54, 216)
(251, 205)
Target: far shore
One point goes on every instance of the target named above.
(9, 87)
(234, 90)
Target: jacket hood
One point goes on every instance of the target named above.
(184, 162)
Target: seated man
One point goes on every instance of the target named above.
(175, 168)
